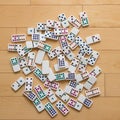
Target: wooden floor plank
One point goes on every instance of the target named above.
(21, 108)
(17, 16)
(107, 42)
(5, 37)
(14, 2)
(73, 2)
(5, 86)
(103, 16)
(112, 82)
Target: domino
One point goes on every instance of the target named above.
(42, 27)
(50, 95)
(85, 75)
(55, 52)
(74, 21)
(92, 92)
(95, 71)
(57, 69)
(30, 59)
(18, 83)
(63, 41)
(90, 82)
(71, 91)
(15, 64)
(30, 95)
(61, 61)
(79, 78)
(31, 31)
(51, 75)
(57, 24)
(35, 44)
(18, 38)
(53, 85)
(28, 84)
(38, 104)
(43, 46)
(73, 45)
(42, 37)
(39, 91)
(60, 31)
(38, 73)
(74, 104)
(29, 44)
(53, 24)
(85, 48)
(84, 19)
(22, 62)
(50, 109)
(36, 36)
(83, 64)
(68, 53)
(70, 76)
(22, 52)
(73, 65)
(51, 35)
(62, 18)
(93, 39)
(27, 70)
(45, 67)
(85, 101)
(60, 76)
(62, 95)
(73, 33)
(50, 23)
(14, 47)
(76, 85)
(93, 58)
(62, 107)
(39, 57)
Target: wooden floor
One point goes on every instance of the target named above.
(104, 16)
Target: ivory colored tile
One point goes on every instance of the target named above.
(103, 16)
(14, 2)
(26, 16)
(112, 83)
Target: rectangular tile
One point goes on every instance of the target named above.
(73, 2)
(20, 107)
(17, 16)
(14, 2)
(103, 15)
(112, 83)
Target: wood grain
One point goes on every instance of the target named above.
(17, 15)
(14, 2)
(73, 2)
(23, 109)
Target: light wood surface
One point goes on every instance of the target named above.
(104, 16)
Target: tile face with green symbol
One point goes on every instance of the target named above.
(47, 48)
(84, 19)
(60, 76)
(38, 104)
(15, 64)
(50, 109)
(38, 73)
(39, 91)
